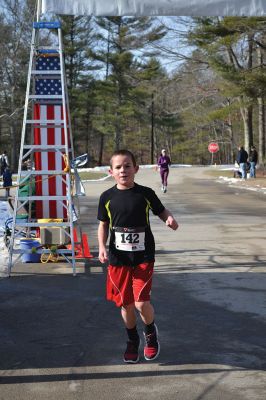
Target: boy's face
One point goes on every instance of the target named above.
(123, 171)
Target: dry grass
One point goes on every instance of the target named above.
(258, 183)
(216, 172)
(87, 175)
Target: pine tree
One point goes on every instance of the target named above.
(229, 44)
(122, 37)
(79, 37)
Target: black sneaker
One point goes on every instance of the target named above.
(152, 345)
(131, 354)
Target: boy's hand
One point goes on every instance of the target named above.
(103, 257)
(172, 223)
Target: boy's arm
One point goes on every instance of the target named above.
(102, 239)
(169, 220)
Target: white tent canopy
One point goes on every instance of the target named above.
(156, 7)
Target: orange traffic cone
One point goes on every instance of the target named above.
(84, 250)
(75, 235)
(75, 238)
(78, 251)
(85, 242)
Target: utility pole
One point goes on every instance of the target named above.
(152, 128)
(39, 9)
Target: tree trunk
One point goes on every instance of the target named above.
(100, 159)
(246, 113)
(229, 127)
(261, 115)
(152, 129)
(232, 142)
(13, 160)
(102, 142)
(15, 144)
(117, 132)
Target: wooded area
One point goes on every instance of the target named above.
(146, 83)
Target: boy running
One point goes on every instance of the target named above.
(124, 211)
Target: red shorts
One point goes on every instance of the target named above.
(125, 285)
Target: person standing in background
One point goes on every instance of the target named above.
(3, 162)
(242, 158)
(7, 180)
(163, 163)
(253, 159)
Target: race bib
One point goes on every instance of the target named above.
(129, 239)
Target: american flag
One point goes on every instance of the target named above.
(48, 86)
(49, 109)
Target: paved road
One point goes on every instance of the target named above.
(61, 340)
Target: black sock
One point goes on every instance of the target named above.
(149, 328)
(133, 334)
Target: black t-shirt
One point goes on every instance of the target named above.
(127, 212)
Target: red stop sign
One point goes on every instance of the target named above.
(213, 147)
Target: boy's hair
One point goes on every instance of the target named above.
(123, 153)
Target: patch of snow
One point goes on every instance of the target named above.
(240, 184)
(4, 215)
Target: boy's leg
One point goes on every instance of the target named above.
(119, 285)
(119, 290)
(129, 316)
(142, 282)
(146, 311)
(131, 354)
(152, 345)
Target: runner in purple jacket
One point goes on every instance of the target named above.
(163, 163)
